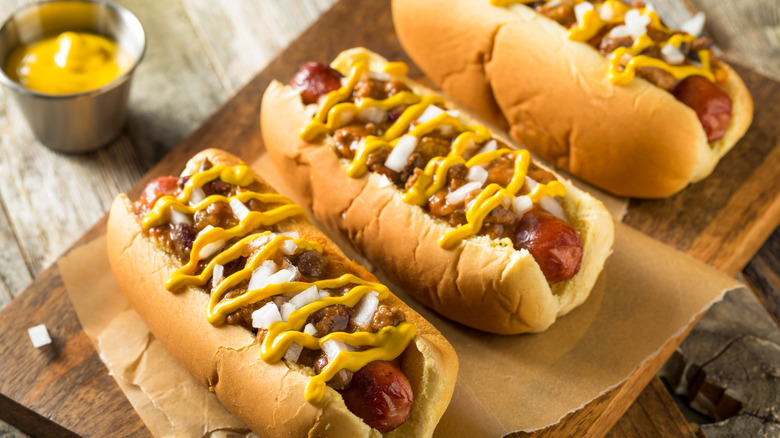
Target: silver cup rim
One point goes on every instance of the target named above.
(84, 94)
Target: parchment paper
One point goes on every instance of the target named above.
(648, 294)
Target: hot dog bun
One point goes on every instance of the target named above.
(269, 398)
(555, 96)
(483, 283)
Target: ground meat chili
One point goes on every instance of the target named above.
(604, 43)
(708, 101)
(501, 222)
(177, 237)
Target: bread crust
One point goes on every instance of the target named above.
(482, 283)
(269, 398)
(635, 140)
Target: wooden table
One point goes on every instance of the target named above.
(200, 53)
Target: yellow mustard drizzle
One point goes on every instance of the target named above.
(387, 344)
(493, 195)
(434, 176)
(592, 23)
(627, 74)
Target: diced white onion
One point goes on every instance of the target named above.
(260, 276)
(286, 309)
(636, 23)
(478, 174)
(197, 196)
(531, 184)
(288, 247)
(490, 146)
(649, 7)
(400, 154)
(522, 204)
(323, 294)
(265, 316)
(506, 202)
(384, 181)
(257, 243)
(333, 347)
(429, 114)
(217, 274)
(446, 130)
(605, 11)
(309, 329)
(459, 195)
(293, 353)
(672, 54)
(292, 234)
(695, 25)
(178, 217)
(553, 207)
(366, 308)
(305, 297)
(239, 209)
(470, 145)
(379, 76)
(321, 100)
(619, 32)
(39, 335)
(344, 81)
(311, 110)
(211, 248)
(580, 9)
(453, 113)
(373, 114)
(285, 275)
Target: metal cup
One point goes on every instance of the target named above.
(78, 122)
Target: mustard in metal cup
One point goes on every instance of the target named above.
(69, 66)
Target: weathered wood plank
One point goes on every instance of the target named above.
(51, 198)
(64, 376)
(14, 270)
(175, 88)
(14, 275)
(763, 274)
(641, 419)
(729, 365)
(242, 39)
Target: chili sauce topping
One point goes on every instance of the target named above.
(463, 175)
(224, 232)
(633, 38)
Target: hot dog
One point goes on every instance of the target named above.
(600, 88)
(472, 228)
(268, 313)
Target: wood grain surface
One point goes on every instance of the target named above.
(200, 53)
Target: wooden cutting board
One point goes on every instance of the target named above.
(64, 389)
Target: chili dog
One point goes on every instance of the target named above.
(600, 88)
(470, 227)
(264, 310)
